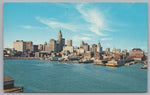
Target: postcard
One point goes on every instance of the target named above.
(75, 47)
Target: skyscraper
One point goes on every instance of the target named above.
(40, 47)
(51, 46)
(99, 48)
(19, 45)
(114, 50)
(35, 48)
(81, 44)
(29, 45)
(56, 46)
(86, 47)
(60, 42)
(44, 46)
(93, 48)
(59, 37)
(69, 42)
(107, 51)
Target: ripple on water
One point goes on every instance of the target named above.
(44, 76)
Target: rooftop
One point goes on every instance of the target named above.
(136, 49)
(7, 78)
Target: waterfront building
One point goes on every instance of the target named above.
(107, 51)
(69, 42)
(44, 46)
(124, 52)
(115, 63)
(99, 48)
(68, 48)
(51, 46)
(9, 86)
(35, 48)
(87, 55)
(37, 54)
(40, 47)
(93, 48)
(136, 53)
(118, 51)
(76, 49)
(29, 45)
(81, 51)
(19, 45)
(97, 56)
(114, 50)
(106, 57)
(81, 44)
(7, 50)
(86, 47)
(118, 56)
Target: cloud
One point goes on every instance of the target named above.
(80, 38)
(96, 19)
(55, 24)
(32, 27)
(104, 39)
(26, 27)
(91, 35)
(85, 38)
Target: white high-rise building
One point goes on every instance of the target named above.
(19, 45)
(99, 48)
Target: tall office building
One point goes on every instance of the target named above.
(40, 47)
(114, 50)
(81, 44)
(86, 47)
(107, 51)
(69, 42)
(60, 42)
(44, 46)
(35, 48)
(51, 46)
(118, 51)
(93, 48)
(29, 45)
(19, 45)
(99, 48)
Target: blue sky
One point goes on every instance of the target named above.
(119, 25)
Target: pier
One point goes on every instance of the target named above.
(9, 86)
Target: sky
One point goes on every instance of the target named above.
(116, 25)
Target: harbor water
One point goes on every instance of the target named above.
(45, 76)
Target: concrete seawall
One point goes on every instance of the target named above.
(21, 58)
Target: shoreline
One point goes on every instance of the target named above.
(21, 58)
(71, 61)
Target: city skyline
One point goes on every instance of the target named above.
(124, 28)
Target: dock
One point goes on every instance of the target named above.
(9, 86)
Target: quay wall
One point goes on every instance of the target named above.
(21, 57)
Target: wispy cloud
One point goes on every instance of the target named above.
(90, 35)
(104, 39)
(85, 38)
(95, 18)
(52, 23)
(32, 27)
(81, 38)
